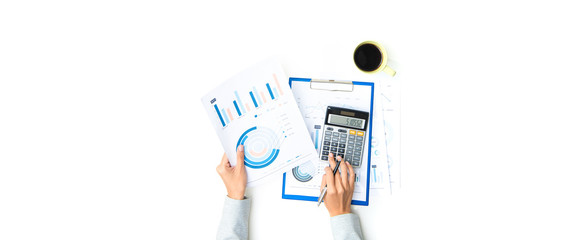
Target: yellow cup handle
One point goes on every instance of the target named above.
(389, 71)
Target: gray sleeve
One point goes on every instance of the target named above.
(346, 226)
(235, 218)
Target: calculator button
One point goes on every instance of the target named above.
(352, 132)
(334, 144)
(349, 152)
(344, 135)
(350, 147)
(335, 134)
(359, 133)
(358, 143)
(326, 143)
(325, 148)
(341, 155)
(328, 133)
(356, 158)
(330, 128)
(351, 142)
(356, 163)
(360, 138)
(324, 157)
(328, 138)
(349, 158)
(341, 150)
(342, 130)
(325, 152)
(358, 148)
(333, 149)
(335, 139)
(341, 145)
(351, 137)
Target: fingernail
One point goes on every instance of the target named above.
(330, 154)
(240, 148)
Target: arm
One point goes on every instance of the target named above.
(344, 224)
(235, 218)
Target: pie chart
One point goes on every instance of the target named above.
(304, 172)
(260, 145)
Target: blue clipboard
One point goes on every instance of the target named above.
(348, 86)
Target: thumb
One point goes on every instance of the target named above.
(240, 157)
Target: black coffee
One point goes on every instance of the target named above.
(367, 57)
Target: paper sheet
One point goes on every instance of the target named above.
(379, 172)
(389, 97)
(256, 109)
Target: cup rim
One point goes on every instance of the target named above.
(383, 56)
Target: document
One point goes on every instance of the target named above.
(390, 96)
(303, 182)
(256, 109)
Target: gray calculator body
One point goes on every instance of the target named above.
(344, 134)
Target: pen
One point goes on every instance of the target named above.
(323, 192)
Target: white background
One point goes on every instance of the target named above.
(103, 136)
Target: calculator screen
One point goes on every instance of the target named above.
(346, 121)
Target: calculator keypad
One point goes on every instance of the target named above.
(343, 142)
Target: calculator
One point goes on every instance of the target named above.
(344, 134)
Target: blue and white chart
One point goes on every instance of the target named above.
(256, 109)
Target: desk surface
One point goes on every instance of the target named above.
(102, 134)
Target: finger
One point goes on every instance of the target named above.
(223, 163)
(331, 160)
(323, 182)
(338, 181)
(351, 176)
(224, 159)
(344, 173)
(330, 180)
(240, 157)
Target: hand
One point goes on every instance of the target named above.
(234, 178)
(339, 187)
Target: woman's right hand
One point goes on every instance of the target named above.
(340, 186)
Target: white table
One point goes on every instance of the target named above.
(103, 136)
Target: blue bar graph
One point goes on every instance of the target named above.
(316, 139)
(255, 92)
(219, 114)
(224, 115)
(236, 107)
(316, 127)
(253, 99)
(270, 90)
(239, 102)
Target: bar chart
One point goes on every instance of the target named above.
(256, 97)
(256, 109)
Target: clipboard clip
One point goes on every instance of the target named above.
(331, 85)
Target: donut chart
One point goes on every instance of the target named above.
(260, 146)
(304, 172)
